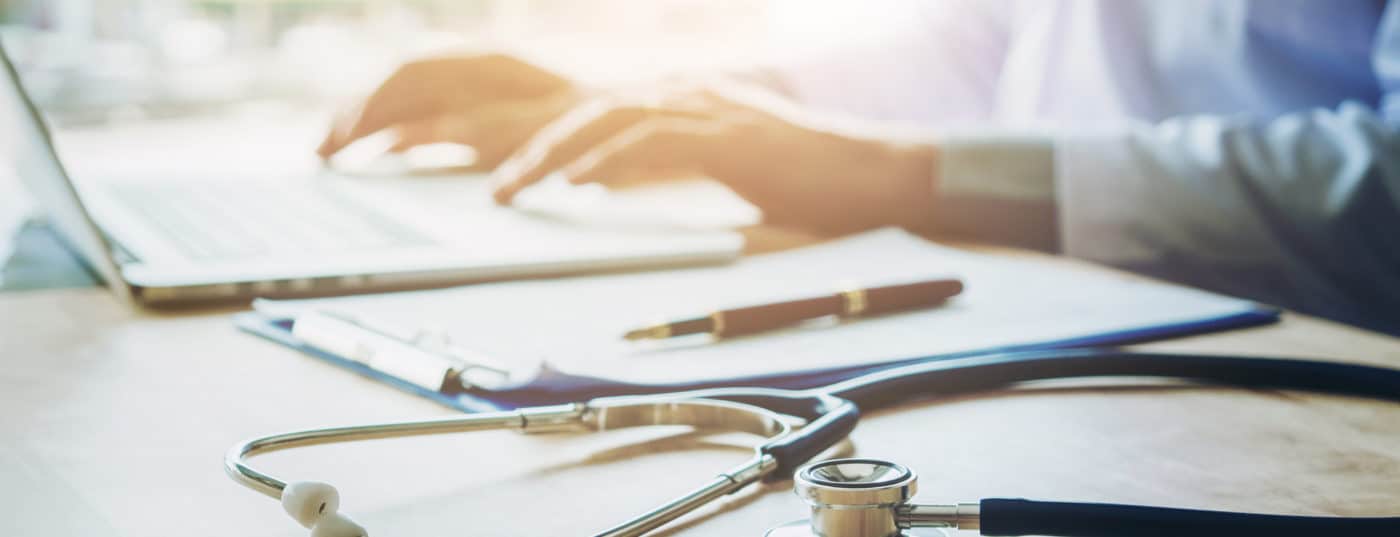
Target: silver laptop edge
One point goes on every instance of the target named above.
(36, 163)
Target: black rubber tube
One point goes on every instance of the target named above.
(982, 373)
(794, 451)
(1007, 517)
(829, 419)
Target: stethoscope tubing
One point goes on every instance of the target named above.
(1016, 517)
(963, 376)
(832, 412)
(836, 408)
(1008, 517)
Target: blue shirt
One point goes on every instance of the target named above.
(1246, 146)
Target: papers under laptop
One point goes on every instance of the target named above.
(575, 324)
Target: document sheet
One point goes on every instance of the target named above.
(576, 324)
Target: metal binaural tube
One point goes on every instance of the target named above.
(554, 418)
(597, 415)
(725, 484)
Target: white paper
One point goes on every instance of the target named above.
(576, 323)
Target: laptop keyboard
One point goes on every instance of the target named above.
(221, 221)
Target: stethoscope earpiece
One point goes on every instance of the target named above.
(316, 506)
(337, 525)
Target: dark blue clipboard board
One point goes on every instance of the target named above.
(553, 387)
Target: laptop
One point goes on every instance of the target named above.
(164, 240)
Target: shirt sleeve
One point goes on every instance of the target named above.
(1301, 210)
(999, 187)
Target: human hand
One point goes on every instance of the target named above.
(797, 174)
(491, 102)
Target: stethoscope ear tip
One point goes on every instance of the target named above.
(337, 525)
(316, 506)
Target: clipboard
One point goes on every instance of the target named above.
(550, 386)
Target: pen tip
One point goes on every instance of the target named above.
(638, 334)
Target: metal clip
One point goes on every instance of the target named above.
(428, 359)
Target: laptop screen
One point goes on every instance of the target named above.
(25, 144)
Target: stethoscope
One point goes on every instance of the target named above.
(867, 497)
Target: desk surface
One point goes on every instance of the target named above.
(116, 422)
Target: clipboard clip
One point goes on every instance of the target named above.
(427, 359)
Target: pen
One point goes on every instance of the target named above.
(850, 303)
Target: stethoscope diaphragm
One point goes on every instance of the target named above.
(855, 498)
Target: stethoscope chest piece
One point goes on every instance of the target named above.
(803, 528)
(854, 498)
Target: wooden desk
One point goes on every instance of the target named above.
(115, 423)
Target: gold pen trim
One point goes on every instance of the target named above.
(853, 302)
(717, 323)
(657, 331)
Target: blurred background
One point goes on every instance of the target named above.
(94, 61)
(128, 84)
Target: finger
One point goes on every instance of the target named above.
(561, 142)
(332, 142)
(370, 117)
(491, 153)
(653, 145)
(500, 123)
(350, 125)
(492, 134)
(454, 129)
(414, 134)
(405, 95)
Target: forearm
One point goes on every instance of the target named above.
(1301, 210)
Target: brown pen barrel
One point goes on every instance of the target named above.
(886, 299)
(891, 298)
(753, 319)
